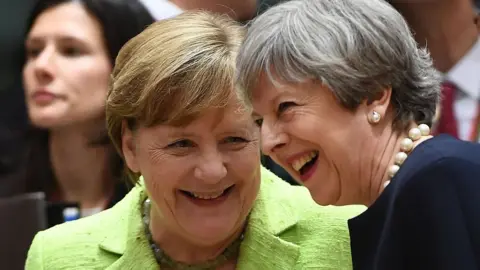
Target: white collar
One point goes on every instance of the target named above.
(161, 9)
(466, 73)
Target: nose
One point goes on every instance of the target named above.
(43, 65)
(272, 138)
(211, 168)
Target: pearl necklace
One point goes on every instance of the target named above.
(406, 146)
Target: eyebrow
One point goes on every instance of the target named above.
(255, 114)
(228, 129)
(178, 133)
(62, 38)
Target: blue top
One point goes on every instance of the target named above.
(429, 215)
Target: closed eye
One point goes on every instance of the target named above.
(282, 107)
(32, 52)
(181, 144)
(72, 51)
(235, 140)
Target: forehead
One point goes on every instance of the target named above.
(266, 93)
(218, 118)
(234, 117)
(68, 19)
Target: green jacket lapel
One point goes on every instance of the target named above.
(263, 248)
(130, 242)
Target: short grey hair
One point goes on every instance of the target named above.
(357, 48)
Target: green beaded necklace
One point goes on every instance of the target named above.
(164, 260)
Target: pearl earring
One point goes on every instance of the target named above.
(374, 117)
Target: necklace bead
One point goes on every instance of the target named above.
(414, 134)
(406, 145)
(393, 170)
(385, 184)
(400, 158)
(424, 129)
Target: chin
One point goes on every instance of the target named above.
(322, 196)
(45, 122)
(206, 233)
(320, 200)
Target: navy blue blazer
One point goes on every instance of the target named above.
(429, 215)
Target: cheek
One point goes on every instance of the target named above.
(251, 189)
(162, 175)
(247, 167)
(84, 81)
(308, 127)
(324, 125)
(335, 135)
(91, 85)
(246, 159)
(27, 77)
(341, 142)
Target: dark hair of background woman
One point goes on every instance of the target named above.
(120, 21)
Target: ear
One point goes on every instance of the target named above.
(380, 103)
(128, 148)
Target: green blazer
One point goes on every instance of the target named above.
(286, 230)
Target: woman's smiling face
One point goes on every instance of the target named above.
(203, 177)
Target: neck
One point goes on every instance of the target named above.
(446, 27)
(183, 250)
(385, 150)
(79, 168)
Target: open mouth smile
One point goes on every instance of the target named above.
(306, 164)
(208, 197)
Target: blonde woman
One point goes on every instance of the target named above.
(202, 199)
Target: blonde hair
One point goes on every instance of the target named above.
(172, 71)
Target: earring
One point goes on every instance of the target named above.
(374, 117)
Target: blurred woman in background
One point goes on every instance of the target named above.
(70, 51)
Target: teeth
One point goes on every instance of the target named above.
(208, 196)
(299, 163)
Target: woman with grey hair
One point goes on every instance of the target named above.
(345, 98)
